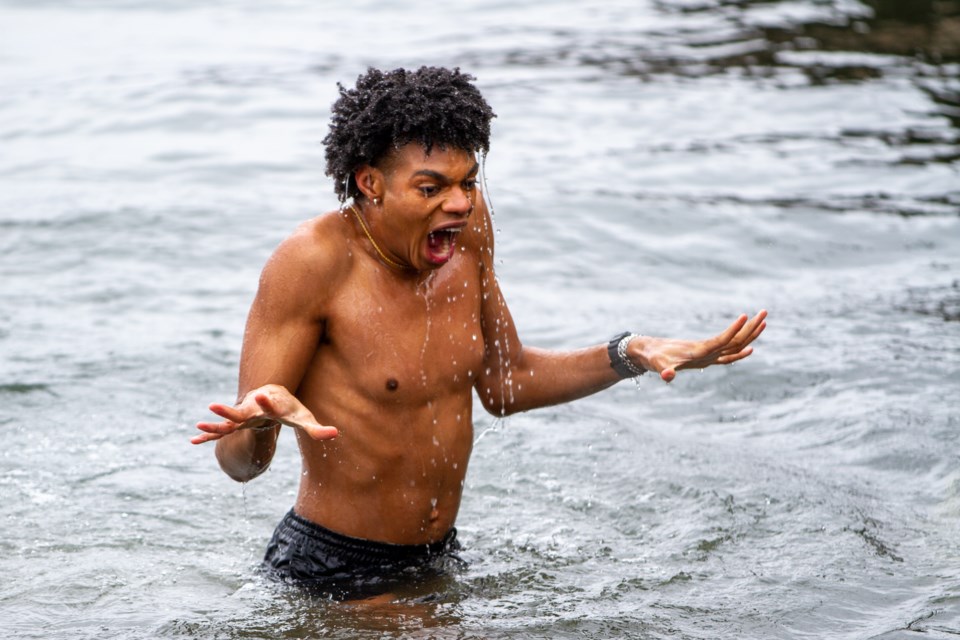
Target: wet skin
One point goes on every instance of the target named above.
(371, 346)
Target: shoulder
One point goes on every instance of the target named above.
(479, 234)
(317, 245)
(314, 254)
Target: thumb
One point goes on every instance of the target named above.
(319, 432)
(667, 375)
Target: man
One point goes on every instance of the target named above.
(374, 324)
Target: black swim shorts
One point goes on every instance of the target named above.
(342, 567)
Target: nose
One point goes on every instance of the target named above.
(460, 202)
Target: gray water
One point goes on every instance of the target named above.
(657, 165)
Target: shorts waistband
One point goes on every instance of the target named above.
(367, 549)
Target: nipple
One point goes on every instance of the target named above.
(392, 384)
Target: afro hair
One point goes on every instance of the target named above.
(432, 106)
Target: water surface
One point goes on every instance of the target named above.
(656, 165)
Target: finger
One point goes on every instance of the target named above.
(736, 356)
(756, 333)
(204, 437)
(668, 374)
(727, 335)
(752, 327)
(227, 411)
(319, 432)
(755, 322)
(736, 326)
(747, 334)
(311, 428)
(753, 335)
(265, 402)
(217, 427)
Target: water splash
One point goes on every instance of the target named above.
(483, 181)
(424, 289)
(502, 346)
(496, 426)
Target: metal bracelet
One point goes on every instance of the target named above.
(619, 361)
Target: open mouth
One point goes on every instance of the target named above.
(441, 243)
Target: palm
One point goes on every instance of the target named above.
(667, 356)
(263, 407)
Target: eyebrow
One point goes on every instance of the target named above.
(439, 177)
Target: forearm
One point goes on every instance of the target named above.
(540, 378)
(245, 454)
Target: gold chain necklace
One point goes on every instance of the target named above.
(383, 256)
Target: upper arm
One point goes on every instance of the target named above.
(503, 351)
(517, 378)
(285, 323)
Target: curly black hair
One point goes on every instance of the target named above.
(433, 106)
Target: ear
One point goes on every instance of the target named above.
(370, 181)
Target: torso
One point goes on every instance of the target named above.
(394, 372)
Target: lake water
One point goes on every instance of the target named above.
(657, 165)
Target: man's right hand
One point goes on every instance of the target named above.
(263, 407)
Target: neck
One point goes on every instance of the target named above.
(387, 260)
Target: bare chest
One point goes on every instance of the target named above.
(409, 343)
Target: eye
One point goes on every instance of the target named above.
(469, 185)
(429, 191)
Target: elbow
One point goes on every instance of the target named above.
(499, 406)
(245, 473)
(501, 397)
(242, 475)
(237, 468)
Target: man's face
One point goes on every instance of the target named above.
(427, 201)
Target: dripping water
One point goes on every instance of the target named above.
(501, 343)
(424, 289)
(496, 426)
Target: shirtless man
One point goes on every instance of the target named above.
(374, 324)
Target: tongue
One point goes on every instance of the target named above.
(440, 244)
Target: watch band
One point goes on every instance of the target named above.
(617, 352)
